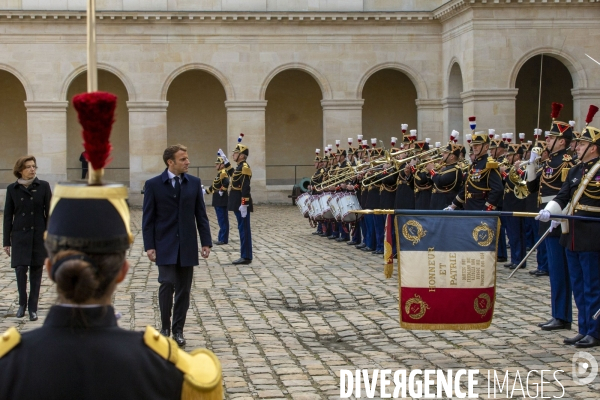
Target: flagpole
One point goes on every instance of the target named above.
(92, 70)
(540, 91)
(463, 213)
(531, 251)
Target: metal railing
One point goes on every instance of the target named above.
(288, 174)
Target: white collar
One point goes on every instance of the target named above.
(172, 175)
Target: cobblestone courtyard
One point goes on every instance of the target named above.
(285, 325)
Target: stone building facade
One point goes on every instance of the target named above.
(292, 75)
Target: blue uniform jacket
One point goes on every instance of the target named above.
(169, 223)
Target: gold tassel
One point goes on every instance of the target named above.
(388, 270)
(189, 391)
(564, 173)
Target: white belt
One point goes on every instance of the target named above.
(547, 199)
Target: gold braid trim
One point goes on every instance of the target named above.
(10, 339)
(202, 377)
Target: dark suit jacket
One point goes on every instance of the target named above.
(169, 223)
(25, 216)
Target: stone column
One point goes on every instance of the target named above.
(147, 142)
(248, 117)
(493, 108)
(430, 117)
(341, 119)
(582, 99)
(453, 117)
(47, 138)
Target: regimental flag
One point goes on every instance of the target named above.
(388, 256)
(446, 271)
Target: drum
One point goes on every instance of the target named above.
(333, 204)
(347, 204)
(325, 207)
(314, 210)
(303, 202)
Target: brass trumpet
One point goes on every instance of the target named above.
(520, 190)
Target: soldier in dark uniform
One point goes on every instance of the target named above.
(343, 233)
(373, 179)
(333, 171)
(405, 193)
(483, 189)
(515, 226)
(581, 192)
(448, 181)
(547, 183)
(324, 167)
(220, 197)
(498, 152)
(422, 182)
(240, 200)
(353, 186)
(315, 180)
(80, 352)
(368, 243)
(530, 222)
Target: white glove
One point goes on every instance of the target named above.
(243, 210)
(203, 191)
(220, 193)
(223, 156)
(451, 207)
(533, 156)
(543, 215)
(553, 224)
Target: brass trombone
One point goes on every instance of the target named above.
(434, 160)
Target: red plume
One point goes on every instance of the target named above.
(556, 107)
(593, 110)
(96, 115)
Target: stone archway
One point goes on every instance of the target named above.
(294, 126)
(389, 97)
(13, 125)
(197, 118)
(118, 169)
(453, 106)
(557, 83)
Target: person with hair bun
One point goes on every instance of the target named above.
(26, 210)
(80, 352)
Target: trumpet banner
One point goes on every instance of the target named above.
(446, 271)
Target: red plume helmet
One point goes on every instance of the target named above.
(96, 112)
(590, 116)
(556, 108)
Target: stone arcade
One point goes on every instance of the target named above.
(292, 75)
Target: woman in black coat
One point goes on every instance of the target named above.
(25, 216)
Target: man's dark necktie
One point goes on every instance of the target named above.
(177, 186)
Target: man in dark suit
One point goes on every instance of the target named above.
(173, 210)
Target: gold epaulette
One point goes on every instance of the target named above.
(564, 173)
(246, 169)
(491, 163)
(10, 339)
(202, 377)
(223, 174)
